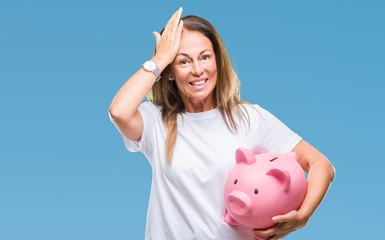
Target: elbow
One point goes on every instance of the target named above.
(114, 114)
(325, 167)
(332, 172)
(118, 118)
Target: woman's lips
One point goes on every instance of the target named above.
(198, 83)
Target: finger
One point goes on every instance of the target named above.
(176, 22)
(282, 236)
(179, 30)
(264, 233)
(157, 38)
(171, 21)
(256, 237)
(259, 238)
(285, 218)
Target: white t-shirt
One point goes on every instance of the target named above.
(187, 197)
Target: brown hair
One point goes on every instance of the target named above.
(226, 95)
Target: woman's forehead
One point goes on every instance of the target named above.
(194, 42)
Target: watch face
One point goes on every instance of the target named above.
(149, 65)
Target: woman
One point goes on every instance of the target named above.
(189, 131)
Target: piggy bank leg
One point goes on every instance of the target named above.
(230, 220)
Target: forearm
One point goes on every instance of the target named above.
(133, 92)
(320, 176)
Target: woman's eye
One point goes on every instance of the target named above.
(184, 63)
(206, 57)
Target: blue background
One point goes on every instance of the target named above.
(64, 172)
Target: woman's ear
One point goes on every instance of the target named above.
(170, 76)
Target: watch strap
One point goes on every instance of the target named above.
(155, 70)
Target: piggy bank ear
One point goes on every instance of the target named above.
(283, 177)
(244, 156)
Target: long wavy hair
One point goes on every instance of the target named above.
(226, 95)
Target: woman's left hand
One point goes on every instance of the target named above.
(286, 224)
(320, 176)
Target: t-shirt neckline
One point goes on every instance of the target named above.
(201, 115)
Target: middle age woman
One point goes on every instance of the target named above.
(189, 131)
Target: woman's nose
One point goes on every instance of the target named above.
(197, 69)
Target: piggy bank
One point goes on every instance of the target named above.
(262, 186)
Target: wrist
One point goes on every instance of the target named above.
(304, 216)
(161, 62)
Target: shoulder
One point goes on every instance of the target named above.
(149, 107)
(256, 113)
(249, 106)
(149, 112)
(252, 109)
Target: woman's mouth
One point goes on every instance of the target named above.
(198, 83)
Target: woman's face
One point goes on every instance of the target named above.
(195, 71)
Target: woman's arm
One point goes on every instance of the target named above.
(320, 176)
(124, 107)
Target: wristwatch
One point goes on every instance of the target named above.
(151, 66)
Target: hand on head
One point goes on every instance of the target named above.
(167, 44)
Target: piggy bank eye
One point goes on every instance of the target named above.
(256, 191)
(235, 182)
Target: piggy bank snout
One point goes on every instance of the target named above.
(239, 203)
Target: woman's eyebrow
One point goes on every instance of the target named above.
(186, 55)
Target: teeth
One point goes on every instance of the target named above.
(198, 82)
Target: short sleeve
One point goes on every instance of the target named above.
(275, 135)
(149, 113)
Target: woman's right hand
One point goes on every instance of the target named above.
(167, 44)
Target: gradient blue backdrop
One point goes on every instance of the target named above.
(64, 172)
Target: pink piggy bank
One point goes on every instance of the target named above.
(262, 186)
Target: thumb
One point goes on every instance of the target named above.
(157, 38)
(284, 218)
